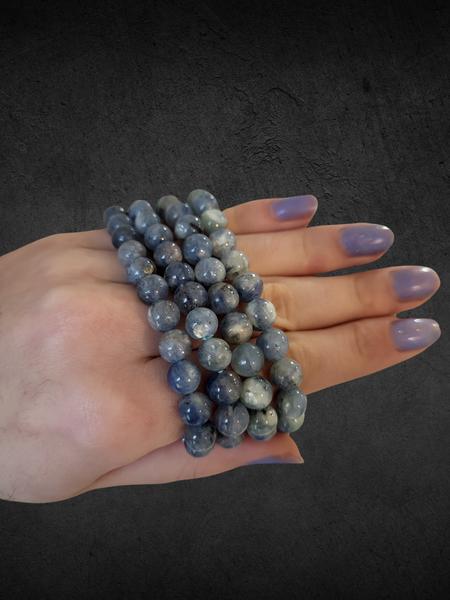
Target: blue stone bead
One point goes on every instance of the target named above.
(224, 387)
(201, 324)
(223, 241)
(214, 354)
(164, 315)
(137, 207)
(235, 263)
(175, 345)
(122, 234)
(261, 313)
(286, 425)
(117, 220)
(286, 374)
(256, 393)
(229, 441)
(156, 234)
(201, 200)
(274, 343)
(174, 212)
(262, 424)
(146, 219)
(291, 404)
(223, 298)
(249, 286)
(236, 328)
(111, 211)
(213, 219)
(178, 273)
(184, 377)
(199, 441)
(196, 247)
(163, 203)
(188, 225)
(152, 288)
(195, 409)
(231, 420)
(129, 251)
(190, 295)
(247, 360)
(140, 268)
(209, 271)
(167, 253)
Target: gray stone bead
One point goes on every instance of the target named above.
(117, 220)
(184, 377)
(214, 354)
(236, 328)
(175, 345)
(229, 441)
(156, 234)
(249, 286)
(174, 212)
(262, 424)
(200, 441)
(201, 324)
(122, 234)
(164, 315)
(223, 241)
(137, 207)
(274, 343)
(286, 425)
(190, 295)
(223, 298)
(163, 203)
(286, 374)
(188, 225)
(256, 393)
(146, 219)
(111, 211)
(261, 313)
(235, 263)
(247, 360)
(195, 409)
(213, 219)
(291, 404)
(152, 288)
(140, 268)
(129, 251)
(201, 200)
(178, 273)
(231, 420)
(196, 247)
(209, 271)
(167, 253)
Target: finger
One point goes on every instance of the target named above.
(95, 239)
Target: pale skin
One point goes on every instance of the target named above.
(84, 401)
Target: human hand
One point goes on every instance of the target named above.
(84, 400)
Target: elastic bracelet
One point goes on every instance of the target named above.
(206, 286)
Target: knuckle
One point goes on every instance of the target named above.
(364, 341)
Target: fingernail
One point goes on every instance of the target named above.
(294, 208)
(412, 334)
(268, 460)
(367, 239)
(415, 283)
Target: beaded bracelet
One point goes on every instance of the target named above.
(201, 292)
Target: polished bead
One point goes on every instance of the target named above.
(214, 354)
(224, 387)
(262, 424)
(163, 203)
(209, 271)
(261, 313)
(223, 241)
(223, 298)
(111, 211)
(190, 295)
(129, 251)
(247, 360)
(175, 345)
(164, 315)
(235, 263)
(286, 374)
(229, 441)
(291, 404)
(178, 273)
(199, 441)
(167, 253)
(140, 268)
(146, 219)
(156, 234)
(286, 425)
(137, 207)
(196, 247)
(184, 377)
(213, 219)
(195, 409)
(188, 225)
(201, 324)
(201, 200)
(117, 220)
(231, 420)
(122, 234)
(175, 211)
(249, 286)
(256, 393)
(152, 288)
(236, 328)
(274, 343)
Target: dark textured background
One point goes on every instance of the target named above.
(105, 102)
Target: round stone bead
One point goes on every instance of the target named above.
(195, 409)
(175, 211)
(223, 241)
(163, 203)
(164, 315)
(140, 268)
(286, 374)
(256, 393)
(199, 441)
(286, 425)
(117, 220)
(249, 286)
(178, 273)
(196, 247)
(175, 345)
(229, 441)
(123, 234)
(209, 271)
(236, 328)
(167, 253)
(274, 343)
(262, 424)
(184, 377)
(129, 251)
(201, 324)
(152, 288)
(247, 360)
(291, 404)
(111, 211)
(224, 387)
(146, 219)
(231, 420)
(213, 219)
(223, 298)
(188, 225)
(190, 295)
(156, 234)
(261, 313)
(137, 207)
(214, 354)
(201, 200)
(235, 263)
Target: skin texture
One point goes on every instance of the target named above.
(84, 401)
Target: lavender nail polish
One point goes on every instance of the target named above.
(367, 239)
(294, 208)
(272, 460)
(412, 334)
(415, 283)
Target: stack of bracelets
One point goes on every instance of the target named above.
(242, 397)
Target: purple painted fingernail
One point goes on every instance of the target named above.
(367, 239)
(412, 334)
(294, 208)
(276, 459)
(415, 283)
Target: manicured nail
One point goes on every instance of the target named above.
(415, 283)
(268, 460)
(412, 334)
(367, 239)
(294, 208)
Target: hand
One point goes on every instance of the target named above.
(84, 401)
